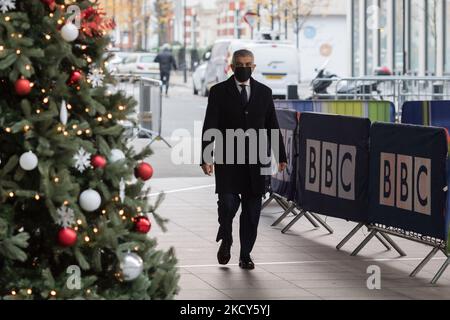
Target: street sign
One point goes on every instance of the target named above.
(250, 18)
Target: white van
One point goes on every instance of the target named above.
(277, 63)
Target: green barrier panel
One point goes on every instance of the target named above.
(380, 111)
(376, 111)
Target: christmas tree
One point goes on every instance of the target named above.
(74, 207)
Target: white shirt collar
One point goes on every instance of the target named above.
(247, 83)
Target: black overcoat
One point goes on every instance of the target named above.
(226, 111)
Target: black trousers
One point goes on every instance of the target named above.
(228, 206)
(165, 78)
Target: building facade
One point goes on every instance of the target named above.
(134, 23)
(408, 36)
(317, 27)
(194, 22)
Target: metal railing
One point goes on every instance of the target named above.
(148, 93)
(397, 89)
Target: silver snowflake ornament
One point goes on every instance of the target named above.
(6, 5)
(82, 160)
(66, 217)
(96, 77)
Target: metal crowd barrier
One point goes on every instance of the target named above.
(290, 207)
(381, 231)
(148, 93)
(397, 89)
(436, 244)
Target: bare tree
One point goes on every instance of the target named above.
(163, 12)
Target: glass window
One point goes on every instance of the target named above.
(131, 59)
(370, 36)
(383, 58)
(355, 34)
(447, 37)
(147, 58)
(415, 24)
(398, 37)
(431, 15)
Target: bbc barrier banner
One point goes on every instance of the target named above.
(333, 165)
(447, 214)
(408, 178)
(283, 183)
(430, 113)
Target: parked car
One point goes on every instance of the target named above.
(141, 64)
(216, 71)
(115, 60)
(277, 63)
(198, 79)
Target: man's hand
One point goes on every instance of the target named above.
(208, 169)
(282, 166)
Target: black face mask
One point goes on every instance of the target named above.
(242, 74)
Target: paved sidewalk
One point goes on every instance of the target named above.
(302, 264)
(177, 79)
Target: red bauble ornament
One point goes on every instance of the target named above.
(75, 77)
(98, 161)
(50, 3)
(142, 224)
(23, 87)
(143, 171)
(67, 237)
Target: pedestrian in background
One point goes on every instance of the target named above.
(166, 63)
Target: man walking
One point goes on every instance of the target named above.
(166, 62)
(240, 104)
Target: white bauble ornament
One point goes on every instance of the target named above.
(69, 32)
(28, 161)
(131, 266)
(116, 155)
(90, 200)
(63, 114)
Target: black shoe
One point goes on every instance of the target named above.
(224, 255)
(246, 263)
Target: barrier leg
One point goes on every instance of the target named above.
(284, 215)
(349, 236)
(364, 242)
(424, 262)
(393, 244)
(441, 271)
(299, 215)
(322, 222)
(311, 220)
(268, 201)
(160, 138)
(383, 242)
(281, 202)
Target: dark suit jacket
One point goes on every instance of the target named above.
(225, 111)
